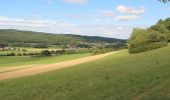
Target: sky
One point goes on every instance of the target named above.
(108, 18)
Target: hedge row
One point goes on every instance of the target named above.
(147, 47)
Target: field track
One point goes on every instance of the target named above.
(25, 71)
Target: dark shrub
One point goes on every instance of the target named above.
(12, 54)
(147, 47)
(19, 54)
(8, 54)
(60, 51)
(45, 53)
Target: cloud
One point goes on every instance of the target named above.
(111, 14)
(127, 17)
(120, 28)
(123, 13)
(130, 10)
(99, 29)
(108, 13)
(18, 22)
(75, 1)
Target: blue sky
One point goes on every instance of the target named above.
(109, 18)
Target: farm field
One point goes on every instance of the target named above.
(143, 76)
(20, 71)
(27, 60)
(28, 50)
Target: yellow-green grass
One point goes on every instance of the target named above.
(26, 60)
(143, 76)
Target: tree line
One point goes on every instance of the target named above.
(156, 36)
(26, 38)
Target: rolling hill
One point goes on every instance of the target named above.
(18, 36)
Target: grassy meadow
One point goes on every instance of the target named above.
(8, 61)
(143, 76)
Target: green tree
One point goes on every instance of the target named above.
(163, 27)
(145, 39)
(164, 1)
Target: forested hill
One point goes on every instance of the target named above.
(18, 36)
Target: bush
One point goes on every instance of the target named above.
(163, 27)
(143, 40)
(58, 52)
(12, 54)
(25, 54)
(147, 47)
(19, 54)
(45, 53)
(8, 54)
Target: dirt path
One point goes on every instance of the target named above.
(49, 67)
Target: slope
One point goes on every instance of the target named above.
(143, 76)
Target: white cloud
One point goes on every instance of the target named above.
(123, 13)
(75, 1)
(127, 17)
(99, 29)
(130, 10)
(38, 25)
(108, 13)
(120, 28)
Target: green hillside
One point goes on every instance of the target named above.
(143, 76)
(16, 36)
